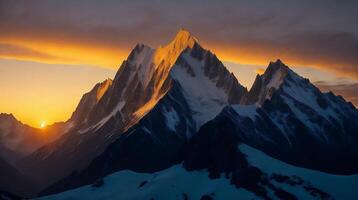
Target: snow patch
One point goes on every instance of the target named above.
(98, 125)
(172, 118)
(246, 110)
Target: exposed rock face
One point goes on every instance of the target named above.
(156, 102)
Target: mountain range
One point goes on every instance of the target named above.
(18, 140)
(175, 111)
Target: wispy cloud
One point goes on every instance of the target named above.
(16, 52)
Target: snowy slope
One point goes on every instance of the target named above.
(172, 183)
(176, 183)
(205, 99)
(338, 186)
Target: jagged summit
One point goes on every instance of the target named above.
(293, 120)
(275, 74)
(145, 72)
(170, 52)
(268, 82)
(273, 67)
(89, 101)
(145, 60)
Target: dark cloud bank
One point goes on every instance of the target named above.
(322, 32)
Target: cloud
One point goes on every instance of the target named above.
(320, 33)
(17, 52)
(348, 90)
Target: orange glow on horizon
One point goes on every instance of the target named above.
(260, 71)
(66, 53)
(55, 106)
(69, 52)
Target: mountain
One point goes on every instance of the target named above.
(289, 118)
(158, 99)
(18, 140)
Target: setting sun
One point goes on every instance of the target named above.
(43, 124)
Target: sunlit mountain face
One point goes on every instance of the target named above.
(116, 100)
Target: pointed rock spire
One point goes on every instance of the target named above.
(170, 52)
(267, 83)
(89, 100)
(183, 39)
(274, 67)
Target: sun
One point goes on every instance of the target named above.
(43, 124)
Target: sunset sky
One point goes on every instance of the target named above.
(51, 52)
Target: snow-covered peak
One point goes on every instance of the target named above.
(281, 88)
(145, 61)
(149, 70)
(182, 40)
